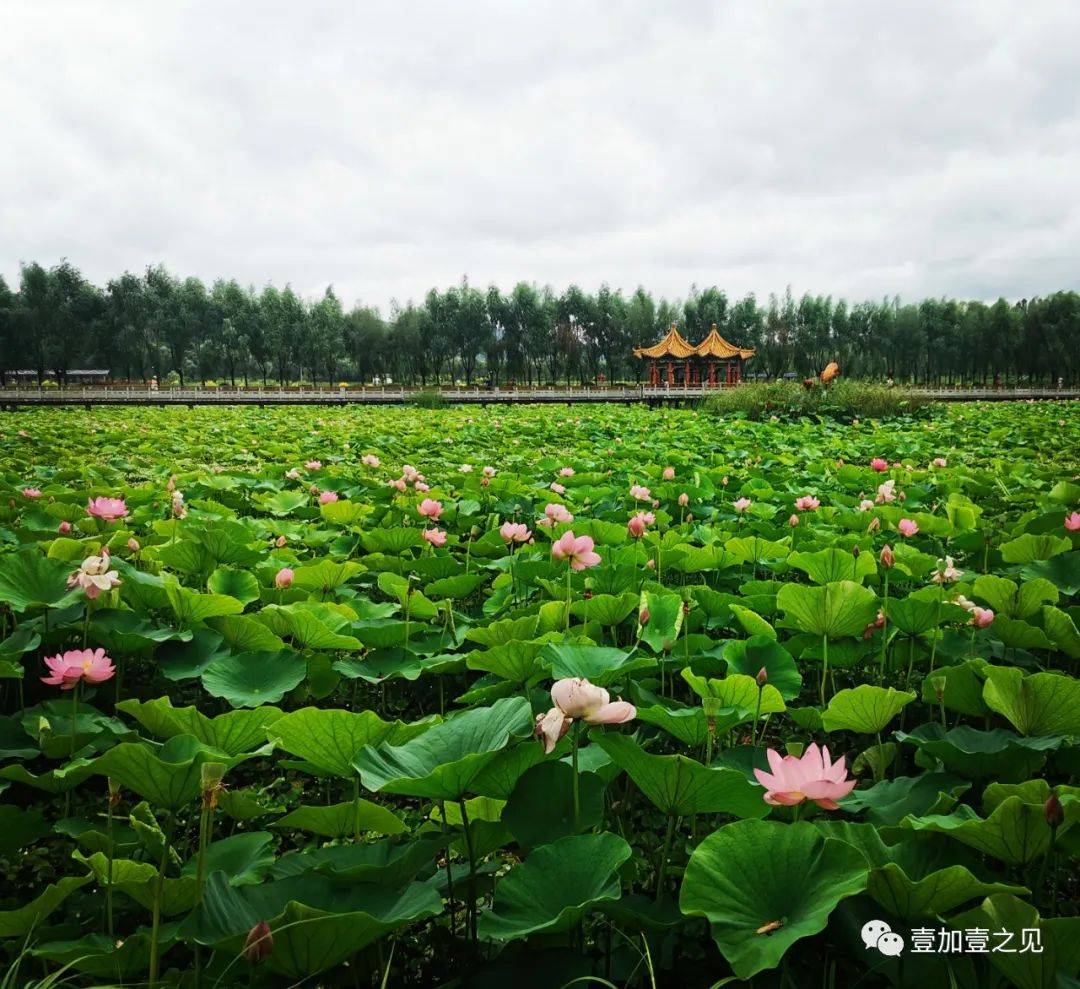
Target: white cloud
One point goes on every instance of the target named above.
(854, 148)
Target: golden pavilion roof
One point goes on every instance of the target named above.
(677, 346)
(673, 345)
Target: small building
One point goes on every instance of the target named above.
(675, 361)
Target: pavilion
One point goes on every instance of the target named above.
(713, 362)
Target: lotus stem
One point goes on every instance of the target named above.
(884, 629)
(662, 868)
(472, 870)
(574, 741)
(824, 665)
(449, 873)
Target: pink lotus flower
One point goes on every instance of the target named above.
(282, 541)
(179, 509)
(399, 484)
(370, 460)
(939, 462)
(514, 532)
(907, 527)
(865, 505)
(133, 545)
(94, 576)
(430, 509)
(283, 578)
(490, 472)
(409, 472)
(812, 777)
(879, 464)
(885, 492)
(465, 468)
(107, 509)
(31, 492)
(558, 488)
(639, 523)
(575, 550)
(313, 464)
(640, 493)
(577, 698)
(669, 474)
(807, 503)
(91, 665)
(1072, 522)
(555, 513)
(292, 474)
(328, 497)
(566, 472)
(946, 570)
(64, 528)
(741, 505)
(434, 536)
(981, 617)
(684, 500)
(422, 487)
(793, 521)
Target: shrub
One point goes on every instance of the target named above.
(428, 400)
(843, 400)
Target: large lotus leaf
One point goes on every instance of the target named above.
(737, 690)
(665, 619)
(183, 660)
(245, 858)
(761, 652)
(345, 512)
(385, 863)
(913, 879)
(20, 827)
(281, 503)
(688, 724)
(506, 630)
(680, 786)
(1018, 634)
(233, 733)
(832, 610)
(441, 763)
(976, 754)
(342, 820)
(239, 584)
(888, 802)
(251, 679)
(412, 602)
(1048, 968)
(128, 632)
(392, 541)
(555, 886)
(22, 920)
(516, 660)
(499, 777)
(1015, 832)
(168, 776)
(308, 626)
(316, 923)
(922, 611)
(243, 633)
(105, 957)
(1063, 571)
(963, 690)
(139, 880)
(742, 879)
(58, 780)
(191, 607)
(31, 580)
(1039, 704)
(455, 587)
(326, 575)
(601, 665)
(605, 609)
(541, 808)
(753, 624)
(827, 566)
(330, 739)
(1010, 601)
(1030, 548)
(865, 708)
(1061, 631)
(754, 549)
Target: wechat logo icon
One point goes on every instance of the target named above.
(878, 934)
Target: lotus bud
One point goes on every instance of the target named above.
(281, 542)
(643, 617)
(1054, 812)
(65, 528)
(133, 545)
(875, 524)
(855, 552)
(938, 683)
(762, 677)
(793, 521)
(114, 792)
(474, 532)
(283, 578)
(259, 943)
(886, 558)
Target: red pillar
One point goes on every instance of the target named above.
(712, 373)
(670, 374)
(686, 373)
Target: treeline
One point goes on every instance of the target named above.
(156, 324)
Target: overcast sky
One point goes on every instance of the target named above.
(855, 148)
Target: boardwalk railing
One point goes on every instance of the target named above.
(11, 398)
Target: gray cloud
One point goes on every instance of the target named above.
(849, 147)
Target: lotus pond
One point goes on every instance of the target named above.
(472, 696)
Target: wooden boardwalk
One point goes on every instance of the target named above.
(12, 399)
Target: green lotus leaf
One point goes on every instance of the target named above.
(140, 880)
(1030, 548)
(325, 576)
(128, 632)
(831, 610)
(963, 690)
(385, 863)
(688, 724)
(330, 739)
(243, 633)
(665, 612)
(717, 886)
(737, 690)
(865, 708)
(191, 607)
(601, 665)
(1012, 601)
(459, 586)
(442, 762)
(20, 827)
(541, 808)
(233, 733)
(237, 584)
(1061, 630)
(828, 566)
(1036, 704)
(1063, 571)
(761, 652)
(253, 678)
(556, 886)
(976, 754)
(890, 801)
(1015, 832)
(679, 786)
(22, 920)
(31, 580)
(342, 820)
